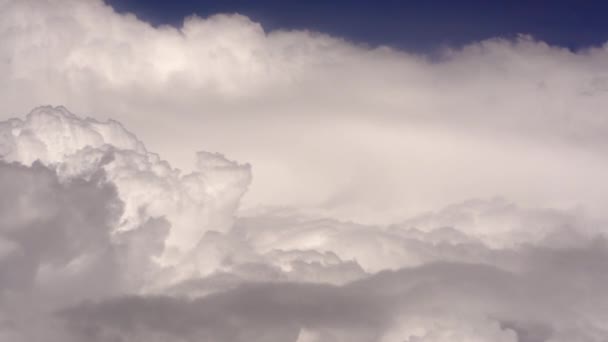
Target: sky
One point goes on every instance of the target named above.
(421, 26)
(310, 172)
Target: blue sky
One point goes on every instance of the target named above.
(421, 26)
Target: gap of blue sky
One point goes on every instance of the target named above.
(419, 26)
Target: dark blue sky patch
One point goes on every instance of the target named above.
(421, 26)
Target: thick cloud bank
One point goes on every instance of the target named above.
(395, 197)
(359, 133)
(102, 240)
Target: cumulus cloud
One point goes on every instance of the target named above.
(359, 133)
(148, 186)
(397, 197)
(77, 263)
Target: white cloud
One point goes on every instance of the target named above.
(358, 133)
(375, 160)
(88, 208)
(148, 186)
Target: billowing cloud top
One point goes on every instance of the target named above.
(396, 197)
(359, 133)
(148, 186)
(89, 216)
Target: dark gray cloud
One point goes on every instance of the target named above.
(56, 245)
(54, 229)
(558, 296)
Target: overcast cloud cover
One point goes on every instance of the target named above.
(343, 192)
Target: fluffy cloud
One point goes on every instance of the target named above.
(359, 133)
(88, 211)
(148, 186)
(374, 213)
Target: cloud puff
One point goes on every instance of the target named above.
(148, 186)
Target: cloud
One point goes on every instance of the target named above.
(148, 186)
(434, 302)
(49, 227)
(89, 209)
(360, 133)
(478, 270)
(471, 231)
(56, 244)
(88, 212)
(397, 197)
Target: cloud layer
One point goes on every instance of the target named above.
(389, 197)
(89, 212)
(360, 133)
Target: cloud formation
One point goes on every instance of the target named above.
(360, 133)
(390, 196)
(88, 252)
(148, 186)
(435, 302)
